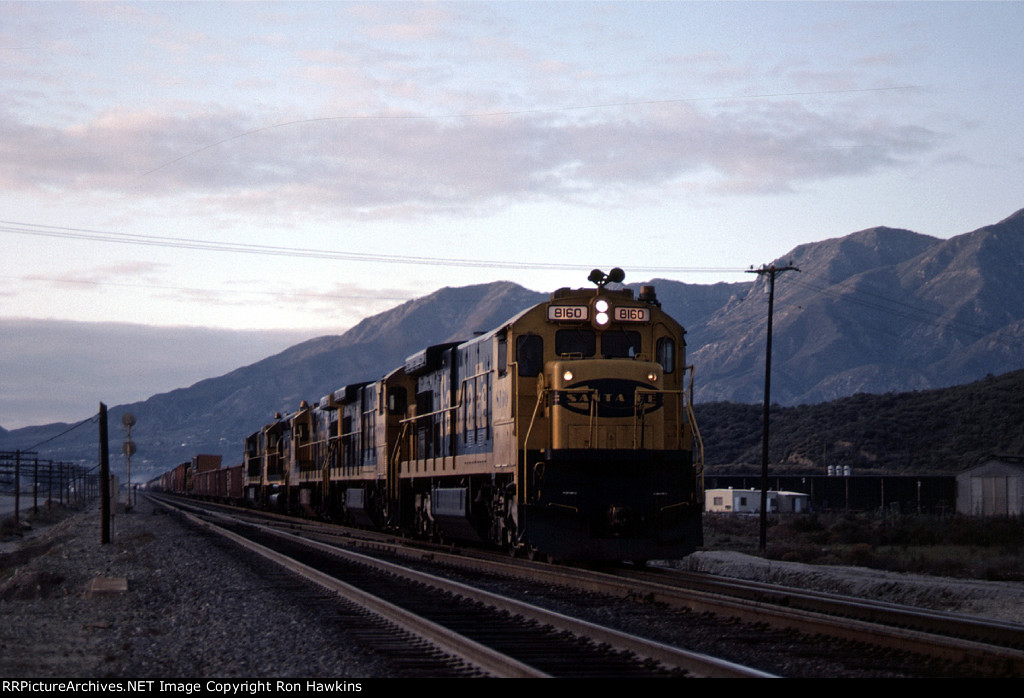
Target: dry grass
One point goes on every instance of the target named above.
(964, 547)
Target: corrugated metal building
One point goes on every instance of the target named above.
(994, 488)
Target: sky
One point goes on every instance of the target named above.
(299, 166)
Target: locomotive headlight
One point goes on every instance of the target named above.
(567, 376)
(652, 377)
(601, 315)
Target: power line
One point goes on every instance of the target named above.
(66, 431)
(39, 230)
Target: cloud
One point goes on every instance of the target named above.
(394, 161)
(125, 274)
(139, 285)
(391, 110)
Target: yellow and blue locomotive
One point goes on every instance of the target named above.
(566, 431)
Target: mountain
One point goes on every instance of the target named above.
(877, 311)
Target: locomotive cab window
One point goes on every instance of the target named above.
(666, 354)
(580, 342)
(620, 345)
(530, 354)
(396, 400)
(502, 354)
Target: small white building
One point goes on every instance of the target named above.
(749, 501)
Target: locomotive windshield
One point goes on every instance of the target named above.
(620, 345)
(575, 342)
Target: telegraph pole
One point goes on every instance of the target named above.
(17, 485)
(104, 478)
(770, 271)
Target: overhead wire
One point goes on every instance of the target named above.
(825, 286)
(91, 418)
(40, 230)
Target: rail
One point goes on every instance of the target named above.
(538, 656)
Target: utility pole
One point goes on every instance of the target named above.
(104, 478)
(17, 485)
(770, 271)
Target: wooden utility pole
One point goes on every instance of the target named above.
(770, 271)
(104, 476)
(17, 486)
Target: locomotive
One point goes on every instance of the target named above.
(567, 431)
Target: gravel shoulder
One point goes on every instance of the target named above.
(996, 600)
(195, 607)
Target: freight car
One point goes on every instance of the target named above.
(223, 484)
(567, 431)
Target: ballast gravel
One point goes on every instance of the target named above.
(193, 607)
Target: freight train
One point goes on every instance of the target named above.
(567, 431)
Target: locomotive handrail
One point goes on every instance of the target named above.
(430, 414)
(394, 465)
(414, 452)
(638, 415)
(325, 468)
(526, 440)
(593, 406)
(698, 443)
(396, 452)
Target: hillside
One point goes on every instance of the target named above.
(933, 431)
(881, 311)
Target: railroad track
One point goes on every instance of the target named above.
(937, 643)
(959, 644)
(965, 645)
(992, 633)
(481, 631)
